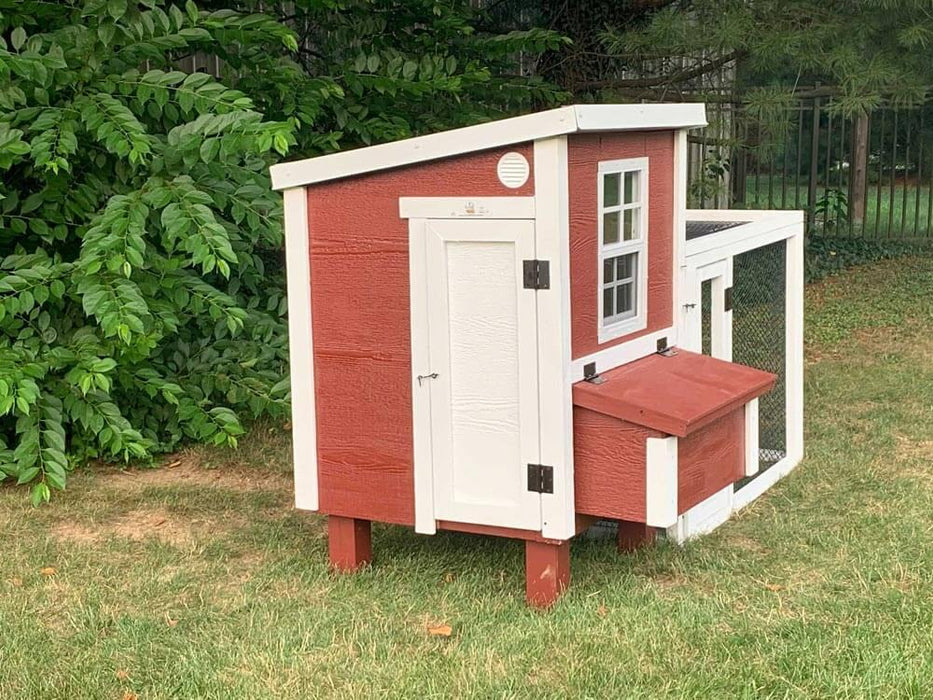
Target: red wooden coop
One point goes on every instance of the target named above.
(518, 329)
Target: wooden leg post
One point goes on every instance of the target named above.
(547, 572)
(634, 535)
(349, 542)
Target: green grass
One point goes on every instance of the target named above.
(905, 213)
(201, 581)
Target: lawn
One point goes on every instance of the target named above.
(198, 579)
(905, 212)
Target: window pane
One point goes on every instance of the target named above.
(608, 270)
(607, 302)
(630, 228)
(626, 266)
(611, 227)
(624, 300)
(631, 187)
(611, 190)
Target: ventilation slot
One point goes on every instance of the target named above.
(513, 170)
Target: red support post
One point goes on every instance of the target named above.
(633, 535)
(547, 572)
(349, 542)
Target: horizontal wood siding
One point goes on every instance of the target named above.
(609, 466)
(584, 153)
(710, 459)
(361, 327)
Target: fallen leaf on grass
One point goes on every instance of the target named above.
(129, 696)
(774, 587)
(48, 571)
(602, 611)
(439, 630)
(16, 581)
(122, 674)
(170, 622)
(448, 577)
(176, 463)
(287, 426)
(159, 522)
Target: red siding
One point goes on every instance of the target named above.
(609, 463)
(710, 459)
(609, 466)
(362, 348)
(584, 153)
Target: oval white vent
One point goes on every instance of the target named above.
(513, 170)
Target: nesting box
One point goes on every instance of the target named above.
(518, 328)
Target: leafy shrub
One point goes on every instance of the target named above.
(828, 255)
(141, 274)
(137, 236)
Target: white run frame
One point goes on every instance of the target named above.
(709, 257)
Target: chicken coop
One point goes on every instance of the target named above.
(518, 329)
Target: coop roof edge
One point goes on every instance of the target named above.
(502, 132)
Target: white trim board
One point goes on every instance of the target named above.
(555, 401)
(622, 353)
(422, 467)
(466, 207)
(503, 132)
(661, 481)
(301, 348)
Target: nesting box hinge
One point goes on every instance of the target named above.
(727, 297)
(590, 375)
(537, 274)
(540, 478)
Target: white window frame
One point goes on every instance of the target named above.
(639, 321)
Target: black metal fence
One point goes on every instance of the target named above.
(867, 176)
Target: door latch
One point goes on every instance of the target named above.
(421, 377)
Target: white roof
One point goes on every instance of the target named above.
(554, 122)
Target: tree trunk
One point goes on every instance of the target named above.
(858, 173)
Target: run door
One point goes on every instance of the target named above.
(477, 369)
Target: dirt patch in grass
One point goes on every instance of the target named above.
(145, 523)
(188, 468)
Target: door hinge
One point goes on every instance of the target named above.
(727, 299)
(537, 274)
(540, 478)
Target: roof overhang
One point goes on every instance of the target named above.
(503, 132)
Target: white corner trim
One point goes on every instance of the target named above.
(423, 467)
(751, 438)
(555, 402)
(680, 219)
(301, 348)
(661, 482)
(623, 353)
(466, 207)
(503, 132)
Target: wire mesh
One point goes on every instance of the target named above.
(758, 339)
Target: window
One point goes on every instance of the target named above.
(623, 247)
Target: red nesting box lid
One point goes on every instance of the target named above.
(676, 393)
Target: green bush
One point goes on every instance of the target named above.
(137, 233)
(141, 272)
(828, 255)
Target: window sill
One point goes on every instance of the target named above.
(622, 328)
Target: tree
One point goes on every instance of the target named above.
(369, 71)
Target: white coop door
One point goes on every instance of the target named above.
(483, 371)
(707, 309)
